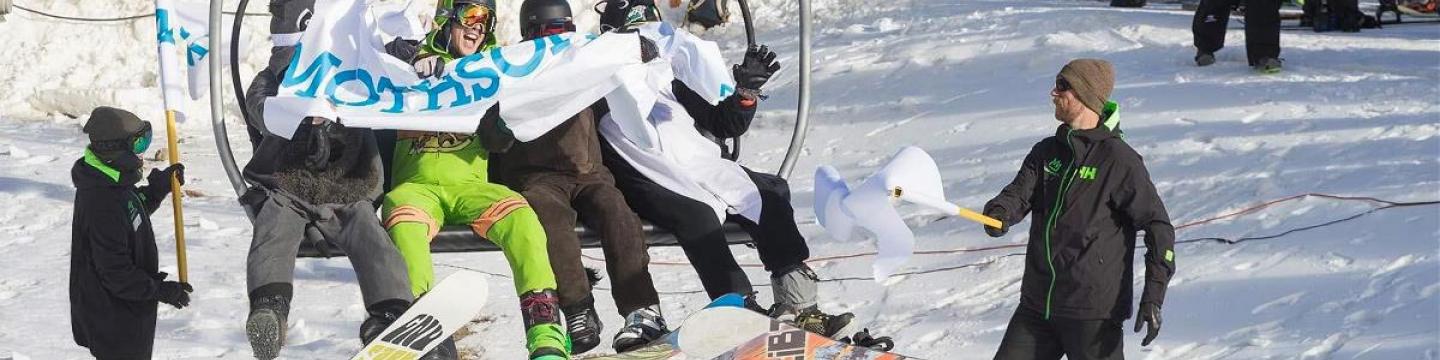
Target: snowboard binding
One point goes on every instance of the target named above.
(863, 338)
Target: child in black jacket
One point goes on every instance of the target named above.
(115, 283)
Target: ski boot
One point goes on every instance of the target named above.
(544, 336)
(265, 327)
(384, 313)
(583, 325)
(642, 326)
(1268, 66)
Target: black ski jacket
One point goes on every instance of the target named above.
(114, 266)
(1090, 194)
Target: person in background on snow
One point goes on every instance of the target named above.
(562, 177)
(1262, 32)
(115, 283)
(686, 187)
(1088, 193)
(318, 186)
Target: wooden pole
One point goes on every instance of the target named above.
(175, 195)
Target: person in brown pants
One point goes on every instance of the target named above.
(562, 176)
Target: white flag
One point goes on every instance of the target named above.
(183, 27)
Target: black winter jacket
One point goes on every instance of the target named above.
(1089, 194)
(114, 276)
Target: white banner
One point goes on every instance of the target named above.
(341, 72)
(183, 26)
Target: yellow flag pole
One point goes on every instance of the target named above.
(175, 196)
(980, 218)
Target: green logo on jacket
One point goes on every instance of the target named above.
(1087, 173)
(1053, 167)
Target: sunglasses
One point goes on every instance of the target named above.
(1062, 85)
(473, 16)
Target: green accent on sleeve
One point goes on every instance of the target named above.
(1170, 255)
(94, 161)
(1112, 115)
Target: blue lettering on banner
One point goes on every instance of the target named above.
(162, 24)
(478, 90)
(529, 67)
(194, 53)
(726, 90)
(435, 89)
(314, 73)
(481, 79)
(360, 75)
(386, 85)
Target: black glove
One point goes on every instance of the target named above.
(757, 68)
(997, 213)
(1149, 314)
(174, 293)
(324, 138)
(160, 178)
(648, 50)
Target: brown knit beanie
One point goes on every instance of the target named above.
(1092, 80)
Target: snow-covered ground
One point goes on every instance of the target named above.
(1352, 114)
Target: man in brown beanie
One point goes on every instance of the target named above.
(115, 282)
(1089, 194)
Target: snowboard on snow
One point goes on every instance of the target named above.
(667, 347)
(448, 306)
(737, 333)
(726, 330)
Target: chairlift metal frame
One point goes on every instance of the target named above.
(460, 238)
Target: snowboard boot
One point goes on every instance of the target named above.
(544, 336)
(265, 327)
(1268, 66)
(813, 320)
(1204, 59)
(753, 305)
(642, 326)
(583, 325)
(795, 289)
(384, 313)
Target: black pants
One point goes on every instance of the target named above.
(1262, 27)
(1030, 337)
(777, 238)
(560, 200)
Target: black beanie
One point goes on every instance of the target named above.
(108, 124)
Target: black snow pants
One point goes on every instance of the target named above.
(778, 240)
(1262, 27)
(1031, 337)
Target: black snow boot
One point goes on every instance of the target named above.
(265, 327)
(384, 313)
(584, 326)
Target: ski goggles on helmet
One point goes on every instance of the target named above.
(142, 139)
(474, 16)
(1062, 85)
(554, 27)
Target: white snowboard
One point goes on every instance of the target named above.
(447, 307)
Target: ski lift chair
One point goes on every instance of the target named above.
(461, 238)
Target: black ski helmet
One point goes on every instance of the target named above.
(534, 14)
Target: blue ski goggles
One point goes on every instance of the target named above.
(142, 140)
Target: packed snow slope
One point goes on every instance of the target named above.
(1352, 114)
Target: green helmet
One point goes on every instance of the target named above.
(447, 13)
